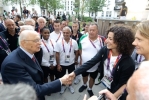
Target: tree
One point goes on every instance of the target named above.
(83, 6)
(77, 7)
(96, 6)
(48, 4)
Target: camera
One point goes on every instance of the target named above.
(101, 97)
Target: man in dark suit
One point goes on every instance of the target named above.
(21, 66)
(2, 28)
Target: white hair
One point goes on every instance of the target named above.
(29, 20)
(21, 23)
(41, 18)
(26, 27)
(17, 92)
(66, 27)
(142, 81)
(25, 35)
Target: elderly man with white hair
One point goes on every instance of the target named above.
(26, 27)
(18, 92)
(41, 23)
(22, 66)
(30, 22)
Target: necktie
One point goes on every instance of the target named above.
(33, 59)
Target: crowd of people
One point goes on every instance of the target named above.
(34, 49)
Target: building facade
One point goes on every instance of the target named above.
(138, 9)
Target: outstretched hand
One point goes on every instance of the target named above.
(72, 76)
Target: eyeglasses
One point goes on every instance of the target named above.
(36, 40)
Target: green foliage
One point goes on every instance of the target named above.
(77, 7)
(48, 4)
(96, 5)
(87, 19)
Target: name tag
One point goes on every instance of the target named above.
(67, 59)
(107, 81)
(51, 59)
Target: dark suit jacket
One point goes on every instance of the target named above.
(19, 67)
(2, 28)
(123, 69)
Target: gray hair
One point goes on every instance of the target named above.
(142, 81)
(26, 27)
(66, 27)
(25, 34)
(29, 20)
(21, 23)
(94, 24)
(17, 92)
(41, 18)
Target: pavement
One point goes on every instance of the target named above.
(77, 95)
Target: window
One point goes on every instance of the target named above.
(102, 15)
(92, 14)
(107, 13)
(110, 13)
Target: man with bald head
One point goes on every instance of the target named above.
(66, 56)
(8, 39)
(22, 66)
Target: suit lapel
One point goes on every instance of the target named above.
(29, 61)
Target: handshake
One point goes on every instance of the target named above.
(68, 79)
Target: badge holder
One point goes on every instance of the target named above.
(51, 59)
(67, 59)
(106, 81)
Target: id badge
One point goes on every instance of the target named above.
(51, 59)
(67, 59)
(107, 81)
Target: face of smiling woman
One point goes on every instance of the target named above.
(141, 44)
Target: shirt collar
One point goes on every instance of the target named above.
(30, 55)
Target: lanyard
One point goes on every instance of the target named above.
(93, 43)
(58, 37)
(46, 46)
(64, 47)
(4, 41)
(52, 44)
(108, 62)
(140, 58)
(38, 30)
(7, 51)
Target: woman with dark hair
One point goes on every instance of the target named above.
(48, 62)
(142, 48)
(116, 65)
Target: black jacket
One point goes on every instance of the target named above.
(75, 37)
(124, 68)
(7, 45)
